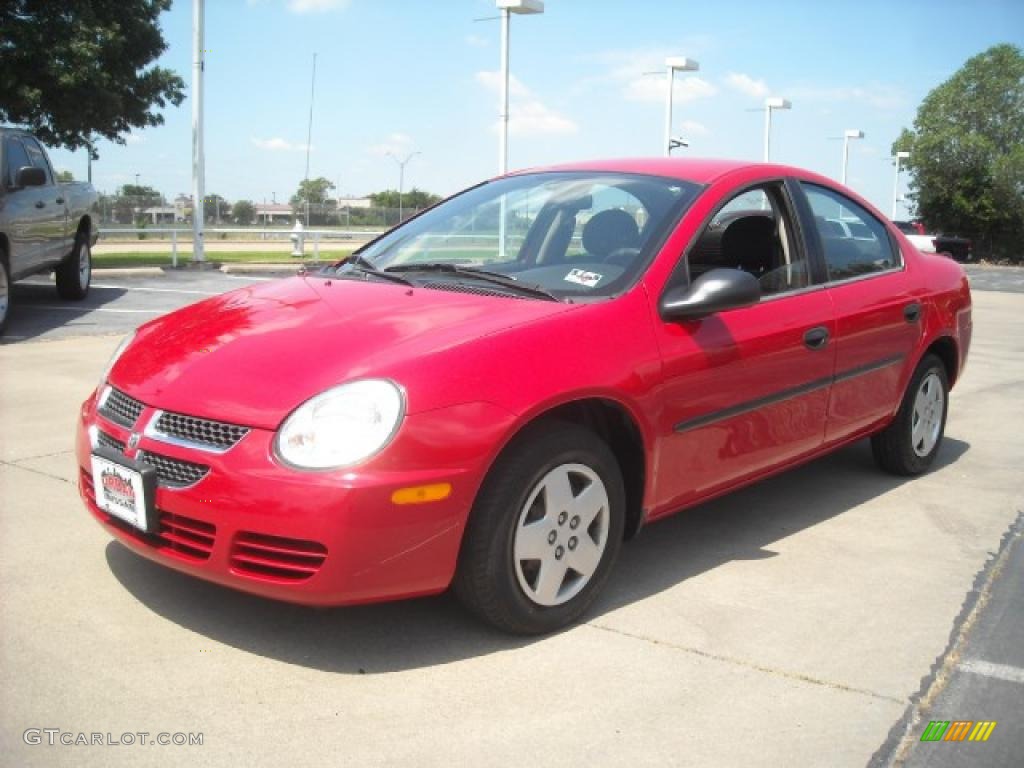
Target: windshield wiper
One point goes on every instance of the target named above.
(360, 263)
(495, 278)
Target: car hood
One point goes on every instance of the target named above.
(252, 355)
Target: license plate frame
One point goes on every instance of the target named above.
(125, 490)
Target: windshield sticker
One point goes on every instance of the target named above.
(581, 276)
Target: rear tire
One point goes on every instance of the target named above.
(75, 273)
(5, 293)
(544, 532)
(908, 446)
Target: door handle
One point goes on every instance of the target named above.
(912, 312)
(40, 204)
(59, 201)
(816, 338)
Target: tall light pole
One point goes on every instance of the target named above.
(198, 161)
(401, 178)
(507, 8)
(673, 64)
(772, 102)
(309, 132)
(896, 182)
(850, 133)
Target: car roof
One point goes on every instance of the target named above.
(699, 170)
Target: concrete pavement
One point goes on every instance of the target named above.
(791, 623)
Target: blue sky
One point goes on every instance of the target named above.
(406, 75)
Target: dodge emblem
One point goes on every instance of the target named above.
(133, 441)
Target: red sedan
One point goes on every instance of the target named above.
(497, 393)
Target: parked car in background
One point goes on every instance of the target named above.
(496, 393)
(45, 225)
(957, 248)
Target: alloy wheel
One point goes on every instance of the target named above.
(926, 421)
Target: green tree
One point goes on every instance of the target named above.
(412, 199)
(75, 71)
(313, 191)
(215, 208)
(65, 176)
(133, 199)
(967, 152)
(243, 212)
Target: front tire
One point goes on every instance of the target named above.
(544, 532)
(908, 446)
(75, 272)
(5, 294)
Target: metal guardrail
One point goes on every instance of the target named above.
(297, 236)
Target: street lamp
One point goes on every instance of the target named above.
(772, 102)
(507, 8)
(672, 64)
(851, 133)
(896, 183)
(401, 177)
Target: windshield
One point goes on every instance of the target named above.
(570, 234)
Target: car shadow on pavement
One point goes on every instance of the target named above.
(36, 308)
(430, 631)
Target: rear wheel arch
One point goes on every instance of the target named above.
(945, 348)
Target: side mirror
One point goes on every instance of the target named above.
(30, 176)
(715, 291)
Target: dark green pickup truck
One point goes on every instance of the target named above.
(45, 225)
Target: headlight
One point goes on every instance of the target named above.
(342, 426)
(114, 357)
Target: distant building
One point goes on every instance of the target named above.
(268, 213)
(354, 202)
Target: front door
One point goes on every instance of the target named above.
(746, 390)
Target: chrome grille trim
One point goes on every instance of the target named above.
(174, 473)
(120, 408)
(194, 432)
(108, 441)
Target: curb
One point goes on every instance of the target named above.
(128, 272)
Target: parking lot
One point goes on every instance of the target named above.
(801, 621)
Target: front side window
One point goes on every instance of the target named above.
(752, 232)
(37, 158)
(574, 234)
(853, 241)
(15, 157)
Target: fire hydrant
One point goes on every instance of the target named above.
(298, 238)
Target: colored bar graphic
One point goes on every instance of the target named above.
(935, 731)
(958, 730)
(983, 730)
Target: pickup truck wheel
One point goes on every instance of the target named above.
(5, 294)
(908, 445)
(545, 530)
(75, 273)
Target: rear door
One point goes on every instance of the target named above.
(878, 314)
(746, 390)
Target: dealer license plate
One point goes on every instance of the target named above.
(120, 492)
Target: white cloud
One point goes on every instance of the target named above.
(640, 76)
(745, 84)
(690, 128)
(877, 95)
(528, 116)
(316, 6)
(477, 42)
(277, 144)
(133, 138)
(395, 144)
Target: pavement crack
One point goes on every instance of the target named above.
(896, 749)
(751, 665)
(41, 456)
(34, 471)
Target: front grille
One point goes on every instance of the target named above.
(174, 473)
(472, 289)
(204, 432)
(186, 535)
(275, 557)
(121, 409)
(102, 438)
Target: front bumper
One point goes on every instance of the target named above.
(318, 538)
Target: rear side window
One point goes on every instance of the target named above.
(15, 157)
(854, 242)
